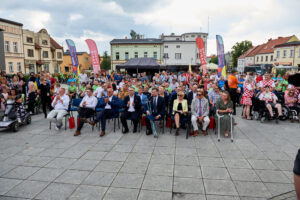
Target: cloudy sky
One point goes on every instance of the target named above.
(103, 20)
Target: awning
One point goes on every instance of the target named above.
(39, 62)
(139, 63)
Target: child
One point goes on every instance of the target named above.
(31, 97)
(21, 111)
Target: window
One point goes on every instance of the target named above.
(45, 54)
(19, 67)
(291, 53)
(177, 46)
(126, 56)
(257, 59)
(192, 35)
(284, 53)
(136, 54)
(44, 42)
(29, 39)
(271, 58)
(59, 55)
(166, 55)
(31, 68)
(53, 55)
(117, 56)
(155, 55)
(166, 46)
(30, 53)
(66, 69)
(177, 56)
(186, 36)
(277, 54)
(177, 38)
(10, 66)
(15, 47)
(261, 58)
(7, 46)
(46, 67)
(266, 58)
(197, 55)
(86, 59)
(145, 54)
(56, 69)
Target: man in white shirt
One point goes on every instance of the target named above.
(173, 85)
(83, 77)
(60, 104)
(86, 109)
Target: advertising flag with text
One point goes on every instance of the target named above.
(202, 56)
(73, 54)
(221, 55)
(94, 55)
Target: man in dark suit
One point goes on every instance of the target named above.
(110, 104)
(133, 105)
(192, 94)
(157, 109)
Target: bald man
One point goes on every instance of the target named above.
(110, 105)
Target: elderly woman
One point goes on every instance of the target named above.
(270, 100)
(247, 97)
(180, 108)
(224, 106)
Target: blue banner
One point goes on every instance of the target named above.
(221, 55)
(73, 54)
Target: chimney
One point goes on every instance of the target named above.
(269, 39)
(125, 37)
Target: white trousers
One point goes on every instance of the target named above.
(57, 116)
(195, 120)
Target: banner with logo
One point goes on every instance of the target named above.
(221, 56)
(94, 55)
(202, 56)
(73, 54)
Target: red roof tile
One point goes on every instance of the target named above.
(55, 44)
(255, 50)
(269, 46)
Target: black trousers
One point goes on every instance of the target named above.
(102, 116)
(132, 115)
(233, 97)
(83, 113)
(46, 102)
(296, 169)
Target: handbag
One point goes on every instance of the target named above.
(169, 122)
(144, 121)
(71, 122)
(212, 122)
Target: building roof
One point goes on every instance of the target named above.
(10, 22)
(295, 43)
(136, 41)
(269, 46)
(255, 50)
(246, 53)
(140, 63)
(78, 53)
(55, 44)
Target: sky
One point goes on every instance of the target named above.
(104, 20)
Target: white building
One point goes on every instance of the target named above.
(243, 60)
(181, 50)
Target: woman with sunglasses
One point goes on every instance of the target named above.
(180, 108)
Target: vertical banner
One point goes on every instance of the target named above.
(201, 48)
(221, 56)
(94, 55)
(73, 54)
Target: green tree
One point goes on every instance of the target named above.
(106, 62)
(214, 60)
(134, 35)
(239, 49)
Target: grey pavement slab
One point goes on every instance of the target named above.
(72, 177)
(187, 171)
(109, 166)
(46, 174)
(21, 172)
(88, 192)
(243, 174)
(220, 187)
(160, 169)
(188, 185)
(186, 196)
(215, 173)
(272, 176)
(7, 184)
(252, 189)
(57, 191)
(158, 195)
(100, 178)
(160, 183)
(125, 180)
(121, 193)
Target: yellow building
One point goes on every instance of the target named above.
(13, 46)
(288, 54)
(84, 62)
(42, 52)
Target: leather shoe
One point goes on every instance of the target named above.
(134, 130)
(204, 133)
(92, 123)
(102, 133)
(77, 133)
(196, 133)
(148, 132)
(125, 131)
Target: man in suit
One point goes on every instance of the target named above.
(200, 111)
(157, 109)
(110, 104)
(133, 105)
(192, 94)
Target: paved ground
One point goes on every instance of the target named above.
(38, 163)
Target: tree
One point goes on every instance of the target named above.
(106, 63)
(239, 49)
(134, 35)
(214, 60)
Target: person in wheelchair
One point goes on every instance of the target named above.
(180, 108)
(270, 100)
(291, 101)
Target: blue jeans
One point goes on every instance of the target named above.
(103, 115)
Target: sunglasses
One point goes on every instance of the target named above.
(199, 94)
(180, 95)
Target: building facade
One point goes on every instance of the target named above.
(84, 62)
(42, 53)
(266, 54)
(13, 46)
(242, 60)
(124, 49)
(181, 50)
(287, 54)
